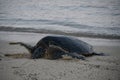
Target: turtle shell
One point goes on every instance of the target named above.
(70, 44)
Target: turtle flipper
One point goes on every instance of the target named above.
(75, 55)
(60, 51)
(27, 46)
(99, 54)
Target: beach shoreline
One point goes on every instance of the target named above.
(59, 32)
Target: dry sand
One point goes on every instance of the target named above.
(94, 68)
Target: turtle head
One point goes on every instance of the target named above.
(38, 53)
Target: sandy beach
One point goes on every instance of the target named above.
(94, 68)
(96, 22)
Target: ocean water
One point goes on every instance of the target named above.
(85, 16)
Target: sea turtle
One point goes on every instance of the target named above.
(54, 47)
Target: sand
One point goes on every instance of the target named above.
(94, 68)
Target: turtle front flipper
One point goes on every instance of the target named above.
(57, 52)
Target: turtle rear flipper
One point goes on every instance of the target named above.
(77, 56)
(99, 54)
(27, 46)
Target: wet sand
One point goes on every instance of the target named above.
(95, 68)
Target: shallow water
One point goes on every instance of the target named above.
(96, 16)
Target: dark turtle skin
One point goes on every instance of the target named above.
(54, 47)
